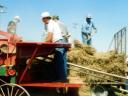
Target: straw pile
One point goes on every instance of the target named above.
(87, 56)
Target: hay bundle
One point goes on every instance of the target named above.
(87, 56)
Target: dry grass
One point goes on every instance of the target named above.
(107, 62)
(87, 56)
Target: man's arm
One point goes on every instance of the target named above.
(94, 27)
(49, 37)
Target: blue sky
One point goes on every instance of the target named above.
(109, 16)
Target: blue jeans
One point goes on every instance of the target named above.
(85, 39)
(60, 63)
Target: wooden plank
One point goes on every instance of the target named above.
(100, 72)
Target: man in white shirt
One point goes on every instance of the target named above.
(63, 28)
(54, 35)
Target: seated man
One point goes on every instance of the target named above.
(54, 35)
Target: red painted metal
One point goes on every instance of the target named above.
(44, 44)
(24, 72)
(7, 61)
(52, 85)
(10, 40)
(17, 51)
(25, 49)
(11, 37)
(33, 49)
(11, 72)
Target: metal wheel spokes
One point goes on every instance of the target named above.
(12, 90)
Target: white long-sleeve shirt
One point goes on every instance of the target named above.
(54, 28)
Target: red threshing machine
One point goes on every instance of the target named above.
(27, 64)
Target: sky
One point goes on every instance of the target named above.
(109, 17)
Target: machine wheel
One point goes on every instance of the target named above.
(10, 89)
(99, 90)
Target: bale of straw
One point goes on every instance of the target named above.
(104, 61)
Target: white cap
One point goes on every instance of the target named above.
(17, 17)
(88, 16)
(45, 14)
